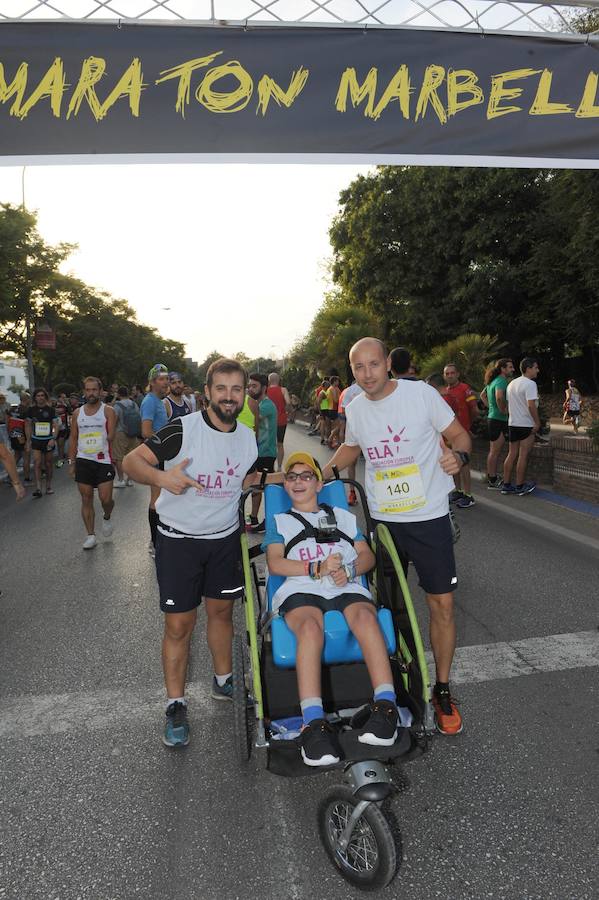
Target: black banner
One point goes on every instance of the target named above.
(336, 94)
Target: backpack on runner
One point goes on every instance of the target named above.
(131, 418)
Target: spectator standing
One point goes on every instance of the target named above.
(523, 424)
(280, 397)
(462, 400)
(494, 394)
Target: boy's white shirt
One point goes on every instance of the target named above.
(309, 550)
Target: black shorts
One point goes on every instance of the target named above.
(496, 428)
(324, 604)
(16, 444)
(331, 414)
(281, 429)
(266, 462)
(573, 414)
(516, 433)
(429, 545)
(88, 471)
(64, 433)
(36, 444)
(191, 568)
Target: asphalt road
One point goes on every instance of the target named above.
(93, 806)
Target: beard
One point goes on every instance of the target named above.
(227, 418)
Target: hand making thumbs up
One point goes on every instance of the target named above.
(176, 481)
(449, 462)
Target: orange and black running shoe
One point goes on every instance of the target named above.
(449, 720)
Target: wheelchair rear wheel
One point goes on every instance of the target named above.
(368, 859)
(241, 712)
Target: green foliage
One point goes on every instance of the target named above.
(337, 325)
(432, 253)
(96, 334)
(592, 432)
(470, 352)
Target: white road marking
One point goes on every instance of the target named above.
(554, 653)
(30, 716)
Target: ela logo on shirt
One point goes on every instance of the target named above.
(388, 447)
(219, 479)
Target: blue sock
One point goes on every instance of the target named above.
(312, 709)
(385, 692)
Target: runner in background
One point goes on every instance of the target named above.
(324, 423)
(249, 415)
(8, 461)
(572, 406)
(346, 397)
(18, 438)
(41, 430)
(176, 403)
(64, 412)
(280, 398)
(153, 418)
(333, 394)
(267, 437)
(92, 429)
(127, 434)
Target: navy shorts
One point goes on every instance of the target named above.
(324, 604)
(191, 568)
(429, 545)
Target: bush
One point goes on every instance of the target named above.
(592, 431)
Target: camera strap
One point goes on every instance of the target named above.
(320, 536)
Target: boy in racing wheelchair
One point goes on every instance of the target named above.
(322, 554)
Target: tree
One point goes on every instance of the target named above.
(470, 352)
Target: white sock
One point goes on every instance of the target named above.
(176, 700)
(221, 680)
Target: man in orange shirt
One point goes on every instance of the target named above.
(462, 400)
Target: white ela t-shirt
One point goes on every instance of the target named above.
(400, 437)
(219, 462)
(519, 392)
(308, 550)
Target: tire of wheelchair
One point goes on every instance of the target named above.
(372, 829)
(241, 712)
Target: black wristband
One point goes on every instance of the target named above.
(462, 456)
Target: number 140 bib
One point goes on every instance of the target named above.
(399, 490)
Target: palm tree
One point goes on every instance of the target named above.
(470, 352)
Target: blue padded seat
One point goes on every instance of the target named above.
(340, 645)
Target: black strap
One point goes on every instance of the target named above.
(309, 531)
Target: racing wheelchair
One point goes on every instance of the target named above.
(353, 827)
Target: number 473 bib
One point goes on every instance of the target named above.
(399, 490)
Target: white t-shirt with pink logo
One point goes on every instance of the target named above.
(219, 462)
(400, 437)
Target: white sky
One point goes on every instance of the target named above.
(237, 251)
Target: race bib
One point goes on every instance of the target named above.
(42, 429)
(92, 442)
(399, 490)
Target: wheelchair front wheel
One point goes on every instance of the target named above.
(367, 857)
(241, 712)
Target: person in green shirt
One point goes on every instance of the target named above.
(494, 396)
(267, 436)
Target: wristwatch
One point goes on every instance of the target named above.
(462, 456)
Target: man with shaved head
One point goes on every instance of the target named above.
(400, 427)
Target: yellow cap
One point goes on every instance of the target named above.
(305, 458)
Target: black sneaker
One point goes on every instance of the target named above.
(381, 727)
(319, 744)
(176, 728)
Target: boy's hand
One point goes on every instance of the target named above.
(339, 577)
(331, 564)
